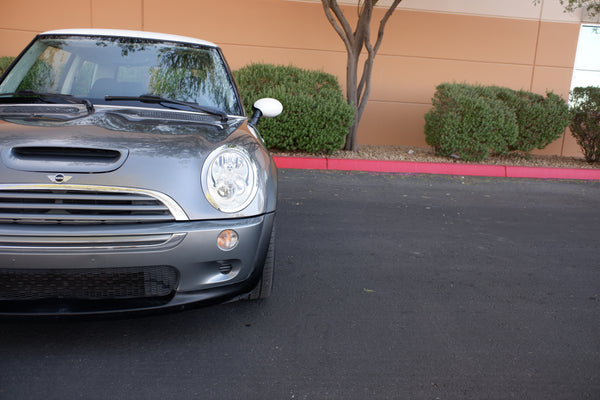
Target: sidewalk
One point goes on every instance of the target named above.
(408, 167)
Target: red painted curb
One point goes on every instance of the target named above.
(552, 173)
(415, 167)
(337, 164)
(300, 162)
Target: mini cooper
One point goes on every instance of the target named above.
(131, 177)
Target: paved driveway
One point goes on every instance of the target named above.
(387, 287)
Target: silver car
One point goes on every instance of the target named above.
(130, 177)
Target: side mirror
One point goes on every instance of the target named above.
(266, 107)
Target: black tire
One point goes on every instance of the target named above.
(265, 285)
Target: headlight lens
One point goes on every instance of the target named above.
(229, 178)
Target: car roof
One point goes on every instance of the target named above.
(131, 34)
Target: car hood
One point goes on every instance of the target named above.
(111, 149)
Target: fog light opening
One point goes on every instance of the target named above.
(225, 269)
(227, 240)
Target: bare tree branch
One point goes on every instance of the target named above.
(383, 22)
(339, 22)
(372, 52)
(363, 25)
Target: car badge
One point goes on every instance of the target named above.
(59, 178)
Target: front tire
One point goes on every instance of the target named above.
(265, 285)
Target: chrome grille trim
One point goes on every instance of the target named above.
(10, 242)
(84, 204)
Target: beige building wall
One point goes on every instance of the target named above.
(509, 43)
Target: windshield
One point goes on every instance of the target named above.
(95, 67)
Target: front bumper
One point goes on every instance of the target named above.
(34, 261)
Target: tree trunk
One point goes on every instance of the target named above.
(357, 93)
(351, 141)
(352, 98)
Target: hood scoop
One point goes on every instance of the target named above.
(63, 159)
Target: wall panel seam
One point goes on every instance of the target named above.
(20, 30)
(410, 103)
(390, 55)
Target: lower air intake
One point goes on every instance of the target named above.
(88, 284)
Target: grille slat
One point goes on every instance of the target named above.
(94, 207)
(92, 218)
(71, 196)
(75, 206)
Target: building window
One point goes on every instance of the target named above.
(587, 61)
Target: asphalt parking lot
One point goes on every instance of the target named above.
(387, 286)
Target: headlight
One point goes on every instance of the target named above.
(229, 178)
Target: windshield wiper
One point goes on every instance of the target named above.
(72, 99)
(150, 98)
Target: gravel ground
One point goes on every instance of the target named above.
(420, 154)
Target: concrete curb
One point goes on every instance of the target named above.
(408, 167)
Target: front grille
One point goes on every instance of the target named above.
(79, 206)
(88, 284)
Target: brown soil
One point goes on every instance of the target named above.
(419, 154)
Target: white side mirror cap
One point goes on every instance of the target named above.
(269, 107)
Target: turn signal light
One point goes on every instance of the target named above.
(227, 240)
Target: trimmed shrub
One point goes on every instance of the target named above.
(4, 63)
(541, 120)
(475, 121)
(585, 124)
(466, 122)
(316, 117)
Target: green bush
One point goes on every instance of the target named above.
(466, 122)
(315, 119)
(4, 63)
(475, 121)
(585, 124)
(541, 120)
